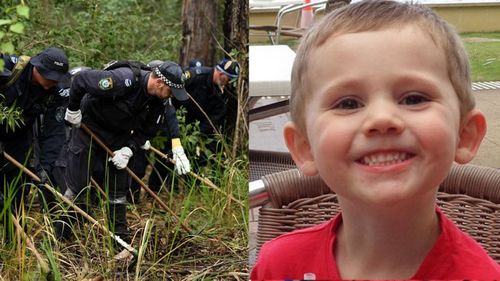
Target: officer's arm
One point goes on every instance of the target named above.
(78, 90)
(148, 128)
(172, 125)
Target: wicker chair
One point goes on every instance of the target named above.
(470, 196)
(268, 162)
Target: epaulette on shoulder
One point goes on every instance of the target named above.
(21, 63)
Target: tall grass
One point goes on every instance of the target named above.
(216, 250)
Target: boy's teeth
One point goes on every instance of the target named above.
(383, 159)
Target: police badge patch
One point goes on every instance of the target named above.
(60, 110)
(106, 83)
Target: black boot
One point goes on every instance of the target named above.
(118, 222)
(67, 220)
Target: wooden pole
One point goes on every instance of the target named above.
(204, 180)
(72, 205)
(138, 180)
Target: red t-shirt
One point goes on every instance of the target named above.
(307, 254)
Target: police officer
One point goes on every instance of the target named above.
(38, 92)
(49, 135)
(169, 129)
(122, 107)
(206, 87)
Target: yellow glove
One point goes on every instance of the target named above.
(182, 165)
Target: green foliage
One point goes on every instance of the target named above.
(194, 142)
(12, 23)
(12, 116)
(13, 19)
(94, 32)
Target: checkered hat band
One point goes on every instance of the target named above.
(168, 82)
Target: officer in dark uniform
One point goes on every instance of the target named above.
(60, 163)
(39, 92)
(122, 107)
(206, 87)
(50, 136)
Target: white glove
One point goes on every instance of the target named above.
(182, 165)
(120, 157)
(73, 117)
(146, 145)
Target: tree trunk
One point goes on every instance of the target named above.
(199, 25)
(236, 41)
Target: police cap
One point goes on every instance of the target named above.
(173, 76)
(52, 64)
(230, 68)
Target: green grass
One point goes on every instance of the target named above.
(216, 249)
(494, 35)
(484, 56)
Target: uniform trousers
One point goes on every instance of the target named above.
(84, 158)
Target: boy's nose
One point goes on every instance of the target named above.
(383, 118)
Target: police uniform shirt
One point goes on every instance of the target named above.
(116, 106)
(200, 85)
(31, 98)
(170, 125)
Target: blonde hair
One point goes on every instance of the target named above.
(377, 15)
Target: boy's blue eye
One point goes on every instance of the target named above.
(348, 103)
(414, 99)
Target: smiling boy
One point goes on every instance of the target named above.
(381, 107)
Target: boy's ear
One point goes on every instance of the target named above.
(300, 149)
(471, 134)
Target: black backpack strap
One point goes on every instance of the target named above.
(135, 66)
